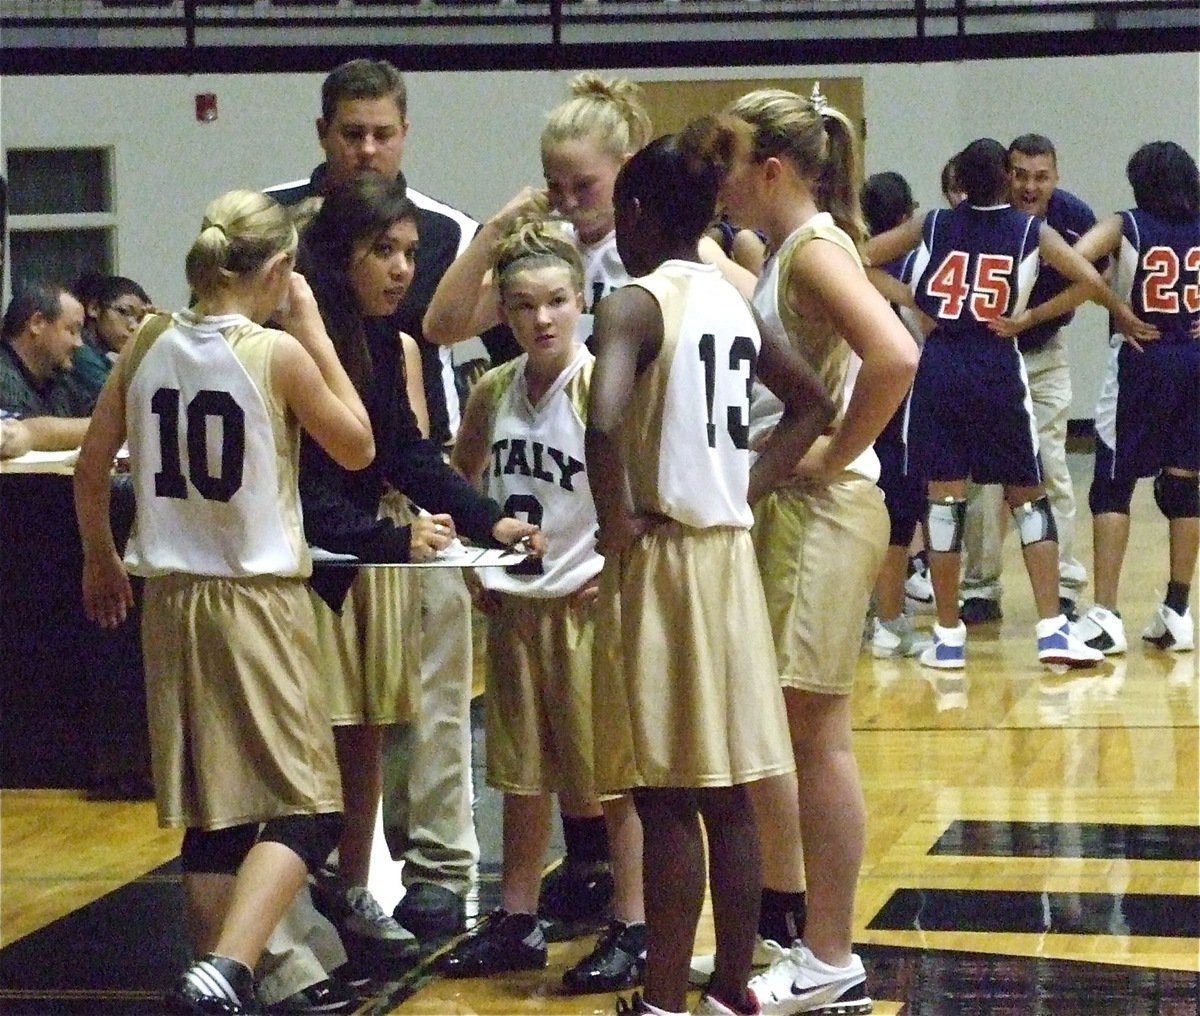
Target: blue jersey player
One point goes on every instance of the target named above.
(1148, 416)
(886, 202)
(1033, 188)
(970, 413)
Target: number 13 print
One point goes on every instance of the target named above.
(737, 418)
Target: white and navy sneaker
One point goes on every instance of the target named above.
(801, 983)
(949, 648)
(896, 638)
(1170, 631)
(365, 919)
(918, 589)
(1101, 629)
(1059, 647)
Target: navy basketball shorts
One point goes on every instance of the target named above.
(970, 414)
(1149, 409)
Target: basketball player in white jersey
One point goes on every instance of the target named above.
(212, 405)
(523, 435)
(686, 698)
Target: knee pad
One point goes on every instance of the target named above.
(1177, 497)
(309, 837)
(944, 524)
(1035, 521)
(1110, 497)
(217, 852)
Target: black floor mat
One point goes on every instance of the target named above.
(114, 956)
(117, 955)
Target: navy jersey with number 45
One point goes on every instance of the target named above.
(1158, 271)
(975, 265)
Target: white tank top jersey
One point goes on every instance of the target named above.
(537, 472)
(685, 435)
(767, 409)
(603, 272)
(214, 454)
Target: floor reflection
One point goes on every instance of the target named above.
(940, 983)
(1068, 913)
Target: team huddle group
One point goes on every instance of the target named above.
(679, 443)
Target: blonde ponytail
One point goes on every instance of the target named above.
(840, 181)
(241, 231)
(611, 111)
(818, 139)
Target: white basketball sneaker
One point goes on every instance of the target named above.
(1170, 631)
(801, 983)
(896, 638)
(949, 649)
(1059, 647)
(1101, 629)
(918, 589)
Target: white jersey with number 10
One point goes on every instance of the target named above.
(213, 452)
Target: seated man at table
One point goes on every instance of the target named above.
(41, 331)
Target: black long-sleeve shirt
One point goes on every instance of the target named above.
(444, 232)
(341, 506)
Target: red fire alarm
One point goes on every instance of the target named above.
(206, 106)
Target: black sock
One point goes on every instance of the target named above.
(781, 917)
(586, 840)
(1177, 596)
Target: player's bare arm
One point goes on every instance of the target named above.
(742, 279)
(628, 335)
(107, 595)
(807, 410)
(895, 242)
(1057, 253)
(871, 328)
(465, 302)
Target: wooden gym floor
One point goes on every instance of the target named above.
(1033, 845)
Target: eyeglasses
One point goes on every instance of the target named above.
(131, 314)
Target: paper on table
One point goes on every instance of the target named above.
(42, 462)
(456, 555)
(55, 462)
